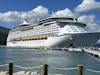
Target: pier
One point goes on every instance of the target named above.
(91, 50)
(45, 48)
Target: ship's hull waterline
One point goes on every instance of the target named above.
(67, 40)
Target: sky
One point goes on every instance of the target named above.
(12, 12)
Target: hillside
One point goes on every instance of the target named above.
(4, 30)
(3, 35)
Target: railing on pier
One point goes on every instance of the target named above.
(44, 70)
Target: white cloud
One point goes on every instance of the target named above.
(41, 12)
(88, 5)
(87, 19)
(90, 21)
(32, 15)
(9, 16)
(63, 13)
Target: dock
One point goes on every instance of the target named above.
(45, 48)
(91, 50)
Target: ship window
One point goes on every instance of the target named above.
(70, 18)
(76, 19)
(46, 24)
(71, 45)
(27, 28)
(62, 24)
(40, 23)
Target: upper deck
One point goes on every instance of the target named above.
(58, 19)
(67, 20)
(61, 19)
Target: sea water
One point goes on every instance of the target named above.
(54, 58)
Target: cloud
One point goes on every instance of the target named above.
(90, 21)
(63, 13)
(9, 16)
(32, 15)
(87, 19)
(41, 12)
(87, 5)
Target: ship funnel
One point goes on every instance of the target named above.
(25, 22)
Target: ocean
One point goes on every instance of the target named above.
(54, 58)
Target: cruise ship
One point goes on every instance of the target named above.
(52, 32)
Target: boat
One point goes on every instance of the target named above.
(52, 32)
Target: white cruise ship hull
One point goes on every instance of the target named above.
(67, 40)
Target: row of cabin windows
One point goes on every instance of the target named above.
(37, 31)
(30, 27)
(30, 33)
(61, 24)
(43, 31)
(46, 30)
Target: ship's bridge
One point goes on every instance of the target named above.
(62, 20)
(57, 19)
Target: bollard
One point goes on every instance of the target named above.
(45, 69)
(10, 68)
(80, 70)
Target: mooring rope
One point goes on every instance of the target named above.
(92, 70)
(3, 65)
(64, 68)
(28, 67)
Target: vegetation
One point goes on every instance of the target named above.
(3, 38)
(3, 35)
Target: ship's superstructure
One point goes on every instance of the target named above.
(52, 32)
